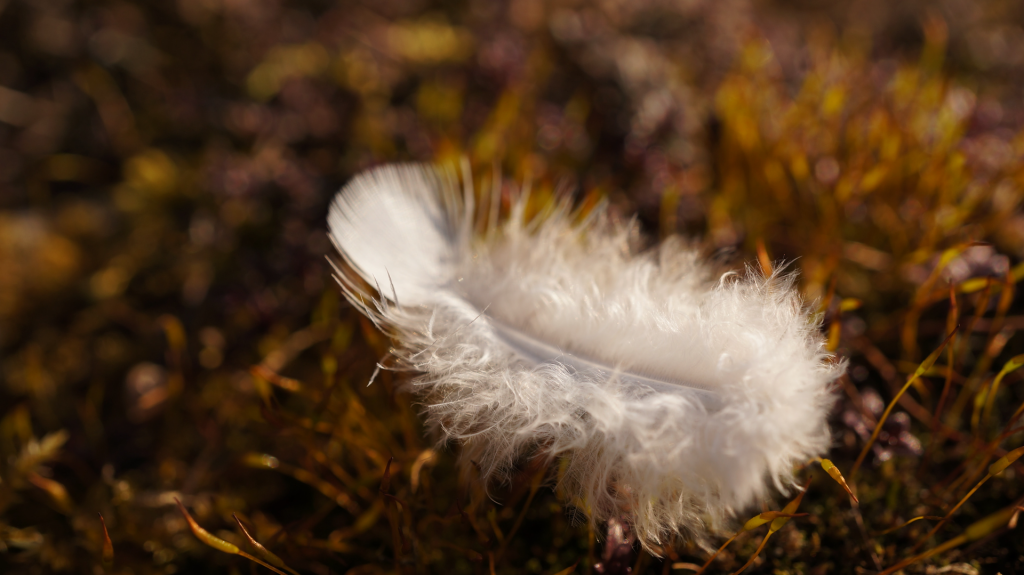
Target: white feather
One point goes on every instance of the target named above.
(672, 396)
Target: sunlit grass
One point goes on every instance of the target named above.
(174, 334)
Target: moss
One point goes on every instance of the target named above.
(169, 329)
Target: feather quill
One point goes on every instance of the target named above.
(674, 397)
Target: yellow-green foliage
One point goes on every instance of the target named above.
(169, 330)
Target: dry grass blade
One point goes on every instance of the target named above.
(425, 458)
(751, 524)
(1013, 364)
(993, 345)
(952, 320)
(995, 469)
(57, 492)
(789, 511)
(286, 383)
(778, 522)
(834, 472)
(108, 546)
(921, 370)
(921, 299)
(902, 525)
(328, 490)
(262, 551)
(219, 544)
(1005, 461)
(717, 553)
(972, 533)
(768, 517)
(754, 556)
(763, 259)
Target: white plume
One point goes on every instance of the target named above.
(672, 397)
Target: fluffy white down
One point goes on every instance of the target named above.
(673, 397)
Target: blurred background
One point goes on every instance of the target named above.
(169, 328)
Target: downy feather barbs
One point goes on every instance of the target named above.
(673, 397)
